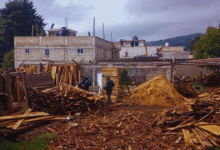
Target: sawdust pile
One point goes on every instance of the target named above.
(157, 91)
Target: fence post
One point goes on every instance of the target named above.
(9, 98)
(25, 88)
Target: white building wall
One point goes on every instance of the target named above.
(132, 52)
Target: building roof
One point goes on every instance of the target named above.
(57, 30)
(132, 40)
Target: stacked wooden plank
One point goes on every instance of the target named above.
(68, 73)
(199, 122)
(113, 73)
(64, 100)
(29, 69)
(24, 119)
(216, 95)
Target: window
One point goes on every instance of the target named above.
(136, 43)
(47, 52)
(132, 44)
(80, 51)
(27, 51)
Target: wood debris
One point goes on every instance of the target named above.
(199, 124)
(65, 100)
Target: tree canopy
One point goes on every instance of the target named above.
(208, 45)
(17, 19)
(8, 60)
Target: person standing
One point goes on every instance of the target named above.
(108, 87)
(87, 84)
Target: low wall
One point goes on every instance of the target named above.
(191, 70)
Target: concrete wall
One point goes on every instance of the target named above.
(142, 71)
(132, 51)
(63, 49)
(105, 50)
(151, 50)
(191, 70)
(173, 49)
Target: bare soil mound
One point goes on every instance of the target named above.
(157, 91)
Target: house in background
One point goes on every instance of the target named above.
(63, 49)
(132, 48)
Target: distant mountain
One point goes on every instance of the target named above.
(176, 41)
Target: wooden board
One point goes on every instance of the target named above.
(205, 143)
(24, 116)
(187, 138)
(211, 128)
(18, 123)
(53, 73)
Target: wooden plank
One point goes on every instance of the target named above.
(53, 73)
(214, 129)
(36, 119)
(18, 123)
(24, 116)
(50, 89)
(23, 75)
(187, 138)
(9, 99)
(204, 143)
(209, 136)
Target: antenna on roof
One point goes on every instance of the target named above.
(103, 31)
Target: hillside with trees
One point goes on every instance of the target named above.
(176, 41)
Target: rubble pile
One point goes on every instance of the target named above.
(196, 122)
(157, 91)
(64, 100)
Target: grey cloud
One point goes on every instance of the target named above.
(150, 31)
(57, 13)
(146, 6)
(74, 12)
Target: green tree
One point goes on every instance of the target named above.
(19, 17)
(8, 60)
(208, 45)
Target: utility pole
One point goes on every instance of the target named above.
(32, 33)
(94, 26)
(103, 31)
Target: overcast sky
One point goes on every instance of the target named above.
(148, 19)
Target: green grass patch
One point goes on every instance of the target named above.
(37, 143)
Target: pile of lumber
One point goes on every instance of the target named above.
(23, 120)
(67, 73)
(65, 99)
(215, 95)
(198, 121)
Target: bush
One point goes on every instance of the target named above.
(8, 60)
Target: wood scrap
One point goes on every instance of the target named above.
(18, 123)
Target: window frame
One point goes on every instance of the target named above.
(80, 51)
(45, 52)
(27, 51)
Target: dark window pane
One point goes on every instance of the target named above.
(132, 44)
(78, 50)
(47, 52)
(82, 51)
